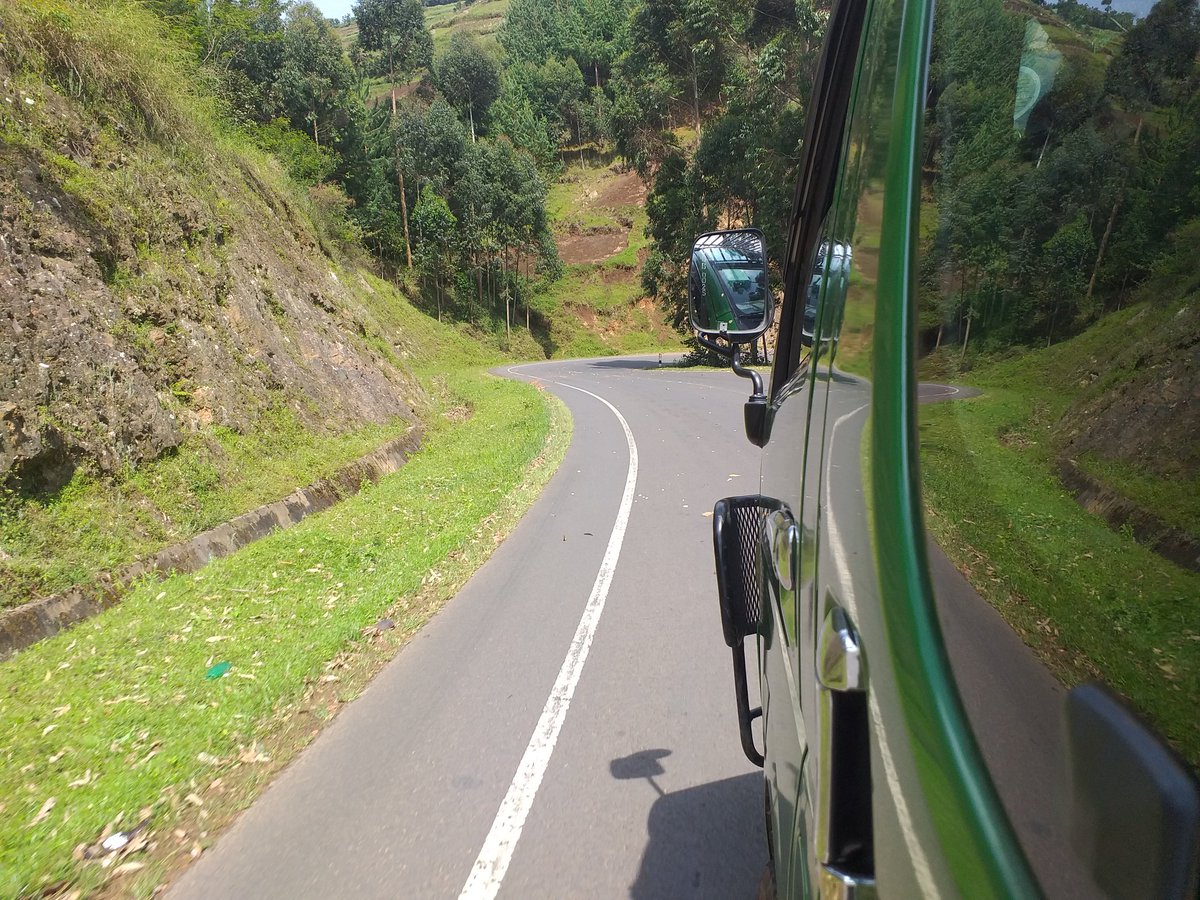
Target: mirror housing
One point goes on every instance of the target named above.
(1135, 805)
(729, 294)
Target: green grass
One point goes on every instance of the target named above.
(586, 285)
(1087, 598)
(97, 525)
(122, 702)
(573, 201)
(1175, 501)
(630, 257)
(588, 316)
(481, 19)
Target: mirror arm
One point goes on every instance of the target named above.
(705, 341)
(758, 426)
(755, 378)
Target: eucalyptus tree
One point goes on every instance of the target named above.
(1152, 67)
(469, 78)
(435, 228)
(315, 77)
(396, 30)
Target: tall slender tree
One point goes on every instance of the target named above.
(396, 30)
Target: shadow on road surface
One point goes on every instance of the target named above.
(637, 362)
(704, 842)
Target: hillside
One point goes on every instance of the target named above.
(597, 212)
(191, 331)
(162, 270)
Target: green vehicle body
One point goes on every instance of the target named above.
(885, 701)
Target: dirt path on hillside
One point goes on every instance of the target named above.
(595, 245)
(625, 189)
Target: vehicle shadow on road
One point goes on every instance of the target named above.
(706, 841)
(635, 362)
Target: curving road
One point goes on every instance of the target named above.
(565, 726)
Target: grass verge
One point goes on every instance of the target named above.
(116, 721)
(96, 525)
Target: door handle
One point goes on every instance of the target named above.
(840, 665)
(845, 833)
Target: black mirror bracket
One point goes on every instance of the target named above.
(757, 429)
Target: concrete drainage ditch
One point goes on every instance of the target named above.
(40, 619)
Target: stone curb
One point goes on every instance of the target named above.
(1148, 530)
(39, 619)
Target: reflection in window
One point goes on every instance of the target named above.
(1059, 314)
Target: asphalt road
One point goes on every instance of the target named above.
(565, 727)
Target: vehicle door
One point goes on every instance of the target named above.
(889, 794)
(790, 480)
(932, 765)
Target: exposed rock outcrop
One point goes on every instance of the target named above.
(149, 291)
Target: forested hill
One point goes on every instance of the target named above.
(217, 212)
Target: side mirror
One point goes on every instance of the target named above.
(728, 292)
(1135, 812)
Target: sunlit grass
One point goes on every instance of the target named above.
(481, 19)
(118, 714)
(98, 524)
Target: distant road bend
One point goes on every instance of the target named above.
(565, 726)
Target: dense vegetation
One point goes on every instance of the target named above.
(1042, 228)
(426, 182)
(446, 171)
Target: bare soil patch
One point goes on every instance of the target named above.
(586, 314)
(624, 189)
(579, 249)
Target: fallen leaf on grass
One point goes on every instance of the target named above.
(194, 800)
(149, 756)
(253, 754)
(43, 812)
(129, 867)
(209, 760)
(86, 778)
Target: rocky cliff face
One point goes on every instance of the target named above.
(149, 289)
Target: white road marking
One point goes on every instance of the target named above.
(842, 564)
(490, 866)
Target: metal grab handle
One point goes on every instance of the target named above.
(783, 548)
(845, 833)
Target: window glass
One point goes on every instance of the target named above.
(1059, 310)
